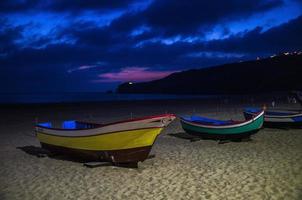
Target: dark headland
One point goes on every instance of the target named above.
(276, 73)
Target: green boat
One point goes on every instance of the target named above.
(222, 130)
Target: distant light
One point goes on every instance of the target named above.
(130, 83)
(258, 58)
(273, 56)
(286, 53)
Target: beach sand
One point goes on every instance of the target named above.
(268, 167)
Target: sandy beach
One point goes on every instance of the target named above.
(268, 167)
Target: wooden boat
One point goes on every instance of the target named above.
(122, 143)
(278, 118)
(222, 130)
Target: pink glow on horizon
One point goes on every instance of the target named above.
(138, 74)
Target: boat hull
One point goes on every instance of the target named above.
(109, 141)
(117, 157)
(279, 121)
(210, 136)
(124, 142)
(119, 147)
(224, 133)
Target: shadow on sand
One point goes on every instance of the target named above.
(86, 161)
(34, 151)
(41, 153)
(186, 136)
(192, 138)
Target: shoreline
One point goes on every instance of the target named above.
(120, 97)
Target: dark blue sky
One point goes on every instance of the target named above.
(93, 45)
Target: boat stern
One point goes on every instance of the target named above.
(250, 113)
(167, 119)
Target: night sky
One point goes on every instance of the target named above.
(94, 45)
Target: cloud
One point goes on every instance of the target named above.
(180, 18)
(286, 37)
(193, 17)
(80, 68)
(7, 6)
(62, 5)
(136, 74)
(9, 36)
(120, 50)
(76, 5)
(162, 38)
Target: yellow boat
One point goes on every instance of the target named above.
(122, 143)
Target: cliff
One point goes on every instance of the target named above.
(279, 73)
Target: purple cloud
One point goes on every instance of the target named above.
(136, 74)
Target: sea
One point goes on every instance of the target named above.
(70, 97)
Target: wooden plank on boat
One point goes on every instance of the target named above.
(97, 164)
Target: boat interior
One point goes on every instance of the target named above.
(204, 120)
(274, 112)
(252, 110)
(70, 124)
